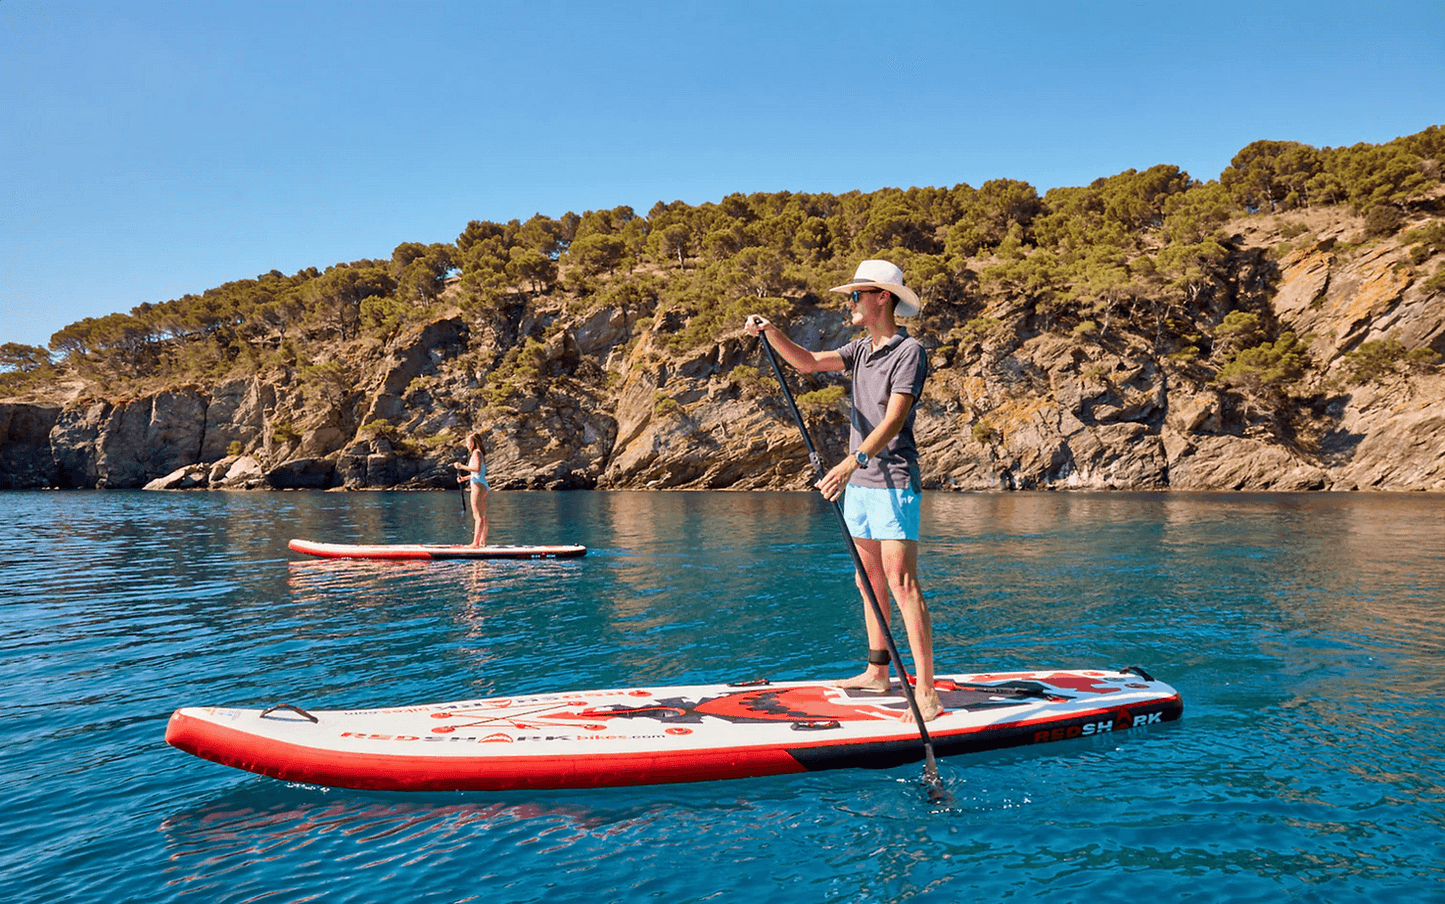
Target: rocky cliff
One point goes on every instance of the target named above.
(576, 397)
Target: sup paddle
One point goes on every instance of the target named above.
(936, 791)
(464, 485)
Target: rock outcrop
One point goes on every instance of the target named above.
(601, 398)
(26, 461)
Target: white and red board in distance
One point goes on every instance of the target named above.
(432, 551)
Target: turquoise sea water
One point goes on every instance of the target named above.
(1304, 632)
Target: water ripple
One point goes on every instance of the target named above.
(1304, 632)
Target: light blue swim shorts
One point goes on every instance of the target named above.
(881, 513)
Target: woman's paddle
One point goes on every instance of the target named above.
(465, 485)
(936, 792)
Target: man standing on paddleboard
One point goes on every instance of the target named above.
(882, 503)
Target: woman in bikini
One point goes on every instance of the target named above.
(475, 473)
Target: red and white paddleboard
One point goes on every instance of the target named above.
(432, 551)
(658, 735)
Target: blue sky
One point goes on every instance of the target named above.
(149, 149)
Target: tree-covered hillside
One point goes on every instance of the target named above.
(1143, 248)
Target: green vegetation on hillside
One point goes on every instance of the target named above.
(1142, 249)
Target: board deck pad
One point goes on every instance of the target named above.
(435, 551)
(642, 736)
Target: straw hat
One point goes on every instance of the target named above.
(883, 275)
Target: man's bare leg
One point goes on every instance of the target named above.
(899, 561)
(875, 676)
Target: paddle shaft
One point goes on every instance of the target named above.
(930, 764)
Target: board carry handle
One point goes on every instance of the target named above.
(293, 708)
(936, 792)
(1001, 690)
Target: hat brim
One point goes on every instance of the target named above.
(908, 303)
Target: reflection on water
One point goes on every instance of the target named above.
(1304, 632)
(668, 837)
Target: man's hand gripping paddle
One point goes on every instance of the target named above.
(936, 791)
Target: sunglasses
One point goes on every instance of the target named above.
(859, 293)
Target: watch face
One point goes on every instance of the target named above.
(861, 457)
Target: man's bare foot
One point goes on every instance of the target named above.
(868, 681)
(929, 706)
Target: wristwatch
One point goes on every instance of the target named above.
(861, 457)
